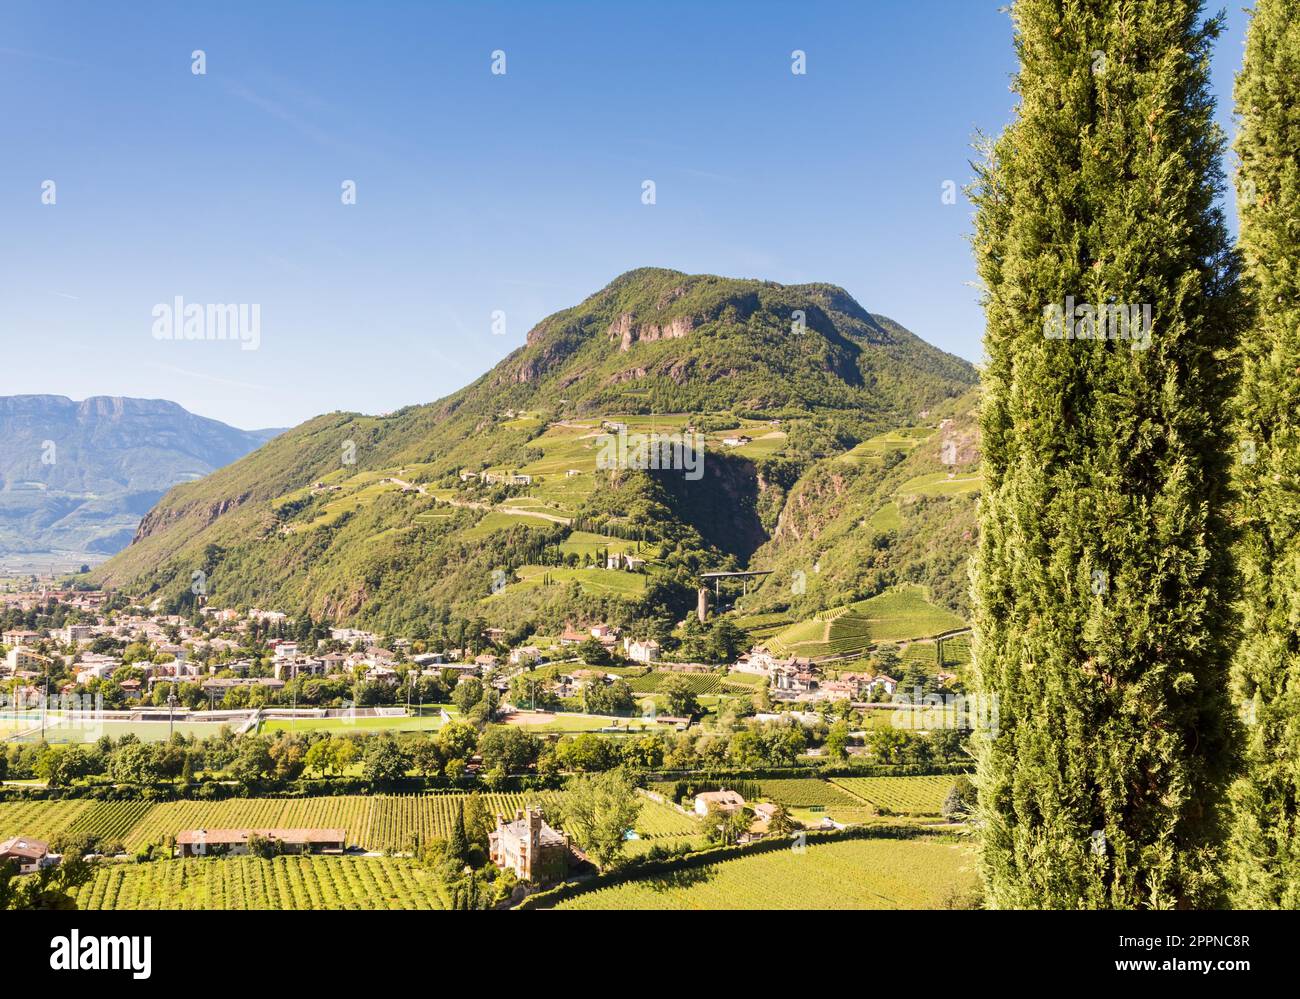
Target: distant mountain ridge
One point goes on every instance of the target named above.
(78, 476)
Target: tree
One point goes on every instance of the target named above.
(384, 762)
(345, 753)
(837, 741)
(960, 802)
(467, 694)
(320, 756)
(1103, 581)
(253, 761)
(48, 888)
(682, 702)
(781, 823)
(1265, 845)
(599, 810)
(725, 827)
(458, 841)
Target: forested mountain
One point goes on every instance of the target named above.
(489, 503)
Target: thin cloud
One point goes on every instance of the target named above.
(214, 379)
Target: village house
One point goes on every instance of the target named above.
(382, 674)
(29, 854)
(529, 847)
(641, 652)
(722, 801)
(201, 842)
(737, 440)
(527, 656)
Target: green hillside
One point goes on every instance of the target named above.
(489, 503)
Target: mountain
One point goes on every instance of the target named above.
(78, 476)
(489, 503)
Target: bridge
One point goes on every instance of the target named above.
(702, 607)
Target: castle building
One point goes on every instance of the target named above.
(529, 847)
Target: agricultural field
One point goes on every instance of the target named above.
(495, 520)
(585, 543)
(253, 883)
(887, 518)
(956, 651)
(697, 683)
(743, 682)
(899, 795)
(904, 439)
(921, 873)
(898, 614)
(941, 484)
(47, 820)
(378, 823)
(597, 581)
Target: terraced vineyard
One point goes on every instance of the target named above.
(253, 883)
(899, 795)
(900, 614)
(854, 874)
(697, 683)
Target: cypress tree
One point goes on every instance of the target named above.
(1265, 862)
(1103, 578)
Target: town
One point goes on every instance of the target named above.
(103, 691)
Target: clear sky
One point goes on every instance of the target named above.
(476, 192)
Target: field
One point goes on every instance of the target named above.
(899, 795)
(599, 582)
(939, 484)
(904, 439)
(377, 823)
(696, 683)
(887, 518)
(253, 883)
(46, 820)
(899, 614)
(62, 730)
(396, 723)
(856, 874)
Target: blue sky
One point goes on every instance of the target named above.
(475, 192)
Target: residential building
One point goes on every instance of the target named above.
(30, 854)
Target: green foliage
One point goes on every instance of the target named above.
(48, 888)
(598, 811)
(1265, 861)
(1104, 583)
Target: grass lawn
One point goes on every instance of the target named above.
(425, 723)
